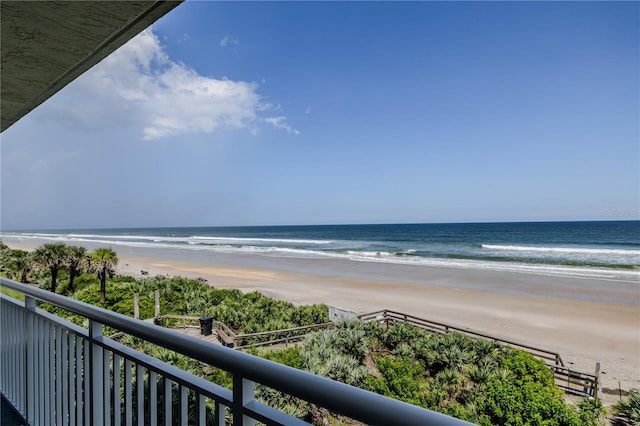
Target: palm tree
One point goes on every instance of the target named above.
(52, 257)
(19, 265)
(103, 260)
(75, 262)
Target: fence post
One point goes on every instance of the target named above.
(156, 296)
(596, 380)
(136, 307)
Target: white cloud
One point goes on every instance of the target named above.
(226, 40)
(140, 86)
(307, 110)
(279, 122)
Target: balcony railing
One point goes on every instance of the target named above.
(55, 372)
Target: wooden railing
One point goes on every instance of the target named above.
(183, 321)
(286, 335)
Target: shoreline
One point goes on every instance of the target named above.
(585, 320)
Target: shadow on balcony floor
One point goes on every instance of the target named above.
(9, 416)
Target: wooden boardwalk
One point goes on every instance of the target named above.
(195, 332)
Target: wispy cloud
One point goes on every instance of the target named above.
(226, 40)
(280, 123)
(307, 110)
(140, 86)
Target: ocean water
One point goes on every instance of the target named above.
(609, 250)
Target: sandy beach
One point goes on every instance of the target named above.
(585, 320)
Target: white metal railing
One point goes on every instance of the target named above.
(57, 373)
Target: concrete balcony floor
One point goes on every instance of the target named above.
(9, 416)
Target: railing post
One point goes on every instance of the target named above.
(243, 393)
(96, 367)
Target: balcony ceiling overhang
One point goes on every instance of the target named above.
(47, 44)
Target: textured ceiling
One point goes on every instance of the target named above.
(47, 44)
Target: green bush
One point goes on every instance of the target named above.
(399, 379)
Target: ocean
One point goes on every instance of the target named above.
(603, 249)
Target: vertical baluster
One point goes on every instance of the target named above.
(45, 401)
(17, 356)
(184, 406)
(30, 354)
(96, 360)
(219, 412)
(78, 371)
(53, 337)
(6, 378)
(140, 394)
(52, 372)
(56, 384)
(116, 390)
(168, 401)
(72, 379)
(34, 383)
(127, 393)
(86, 376)
(107, 387)
(63, 374)
(7, 339)
(153, 398)
(8, 321)
(41, 371)
(19, 341)
(22, 362)
(59, 388)
(202, 410)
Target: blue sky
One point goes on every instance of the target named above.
(274, 113)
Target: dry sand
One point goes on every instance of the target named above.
(586, 321)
